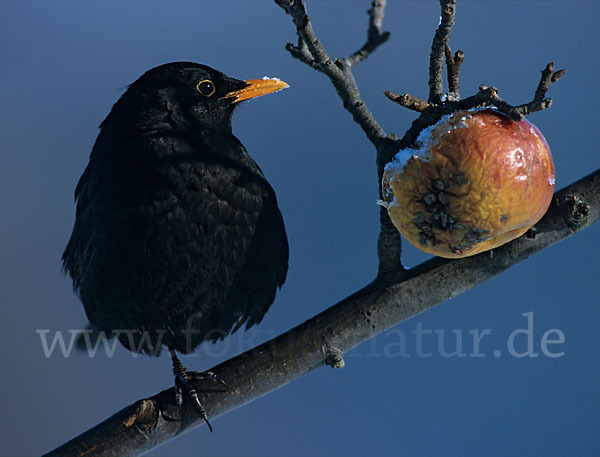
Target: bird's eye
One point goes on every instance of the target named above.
(206, 87)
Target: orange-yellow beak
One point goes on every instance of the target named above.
(257, 88)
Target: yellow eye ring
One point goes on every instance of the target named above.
(206, 87)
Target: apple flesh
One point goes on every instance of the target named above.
(478, 180)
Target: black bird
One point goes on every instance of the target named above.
(178, 238)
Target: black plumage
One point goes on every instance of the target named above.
(178, 238)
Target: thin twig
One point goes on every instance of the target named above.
(539, 102)
(453, 64)
(310, 51)
(408, 101)
(376, 14)
(307, 37)
(487, 96)
(301, 52)
(150, 422)
(438, 50)
(375, 37)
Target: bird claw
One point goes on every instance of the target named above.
(207, 376)
(184, 379)
(178, 394)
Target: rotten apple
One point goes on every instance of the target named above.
(477, 180)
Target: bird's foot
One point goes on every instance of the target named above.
(184, 381)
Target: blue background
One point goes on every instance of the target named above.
(65, 62)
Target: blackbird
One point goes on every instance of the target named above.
(178, 238)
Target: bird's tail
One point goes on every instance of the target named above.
(92, 339)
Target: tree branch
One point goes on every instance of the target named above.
(453, 64)
(310, 51)
(149, 422)
(487, 96)
(438, 50)
(408, 101)
(374, 36)
(539, 103)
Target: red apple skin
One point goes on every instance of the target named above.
(479, 180)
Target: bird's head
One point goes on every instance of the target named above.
(182, 95)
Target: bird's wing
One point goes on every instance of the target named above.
(266, 264)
